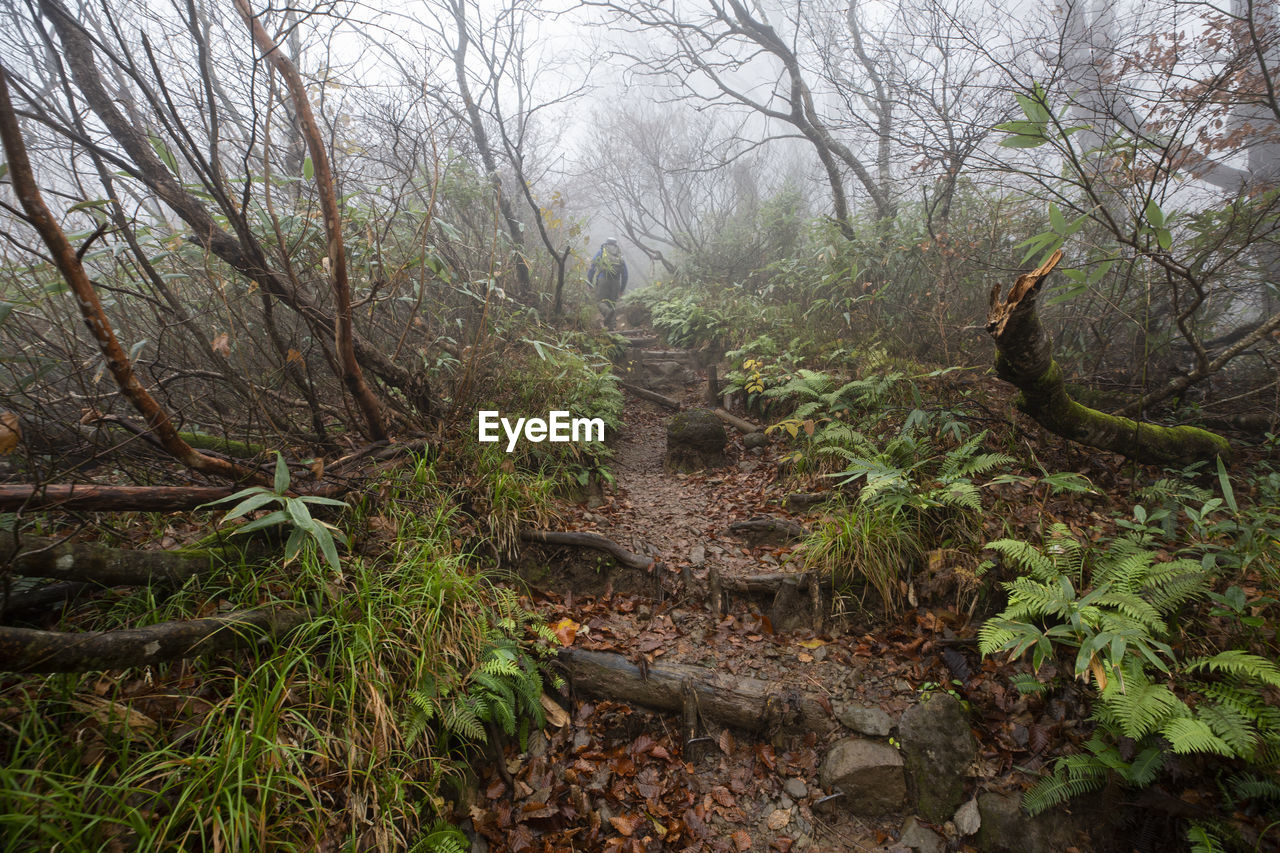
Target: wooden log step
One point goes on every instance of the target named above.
(743, 426)
(768, 528)
(748, 704)
(652, 396)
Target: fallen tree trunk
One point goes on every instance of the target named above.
(38, 557)
(749, 704)
(42, 597)
(30, 650)
(742, 426)
(589, 540)
(89, 498)
(1024, 357)
(652, 396)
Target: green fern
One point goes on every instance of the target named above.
(442, 837)
(1072, 776)
(1205, 840)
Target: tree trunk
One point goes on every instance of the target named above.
(30, 650)
(344, 346)
(1025, 359)
(40, 557)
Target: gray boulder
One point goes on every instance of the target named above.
(870, 775)
(1006, 828)
(696, 441)
(938, 748)
(863, 720)
(920, 838)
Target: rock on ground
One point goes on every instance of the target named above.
(920, 838)
(696, 440)
(937, 748)
(870, 774)
(968, 819)
(863, 720)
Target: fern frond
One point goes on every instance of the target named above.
(1170, 585)
(1142, 771)
(1188, 735)
(1241, 664)
(1203, 840)
(1026, 558)
(1229, 724)
(1254, 787)
(442, 837)
(1141, 707)
(1072, 776)
(462, 720)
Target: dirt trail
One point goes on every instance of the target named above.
(618, 777)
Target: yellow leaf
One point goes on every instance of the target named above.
(565, 630)
(812, 644)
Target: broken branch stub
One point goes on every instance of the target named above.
(1024, 358)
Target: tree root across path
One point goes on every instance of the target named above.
(590, 540)
(748, 704)
(30, 650)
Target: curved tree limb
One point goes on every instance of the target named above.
(68, 264)
(1025, 359)
(30, 650)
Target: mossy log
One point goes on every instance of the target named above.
(39, 557)
(30, 650)
(222, 444)
(1024, 358)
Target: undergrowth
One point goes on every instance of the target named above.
(347, 734)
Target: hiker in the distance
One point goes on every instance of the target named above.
(608, 276)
